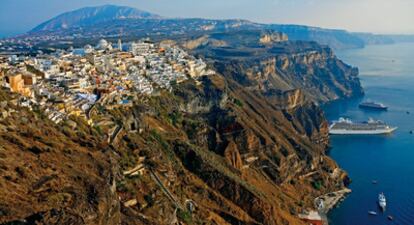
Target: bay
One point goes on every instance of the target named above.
(387, 75)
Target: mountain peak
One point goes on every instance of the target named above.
(92, 15)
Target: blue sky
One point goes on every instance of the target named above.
(379, 16)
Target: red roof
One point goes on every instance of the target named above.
(314, 222)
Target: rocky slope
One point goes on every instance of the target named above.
(244, 146)
(51, 174)
(217, 151)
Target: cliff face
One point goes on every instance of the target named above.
(336, 39)
(281, 67)
(208, 153)
(272, 37)
(244, 146)
(231, 152)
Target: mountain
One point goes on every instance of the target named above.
(93, 15)
(108, 20)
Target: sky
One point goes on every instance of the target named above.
(377, 16)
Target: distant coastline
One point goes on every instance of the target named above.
(106, 21)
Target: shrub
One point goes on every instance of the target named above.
(317, 184)
(149, 199)
(98, 129)
(159, 139)
(121, 186)
(175, 118)
(185, 216)
(191, 128)
(238, 102)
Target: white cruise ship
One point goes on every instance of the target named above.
(371, 127)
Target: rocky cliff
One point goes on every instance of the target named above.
(228, 150)
(244, 146)
(281, 67)
(213, 153)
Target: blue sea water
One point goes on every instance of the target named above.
(387, 75)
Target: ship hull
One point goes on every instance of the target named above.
(373, 108)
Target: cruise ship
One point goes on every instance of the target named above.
(373, 105)
(371, 127)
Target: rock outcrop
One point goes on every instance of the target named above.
(273, 37)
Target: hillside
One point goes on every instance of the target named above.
(236, 147)
(53, 174)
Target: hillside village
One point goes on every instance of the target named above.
(70, 82)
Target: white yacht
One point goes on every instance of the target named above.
(382, 201)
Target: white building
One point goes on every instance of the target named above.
(140, 48)
(103, 45)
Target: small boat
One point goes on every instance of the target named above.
(372, 213)
(382, 202)
(390, 218)
(373, 105)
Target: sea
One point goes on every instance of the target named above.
(387, 76)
